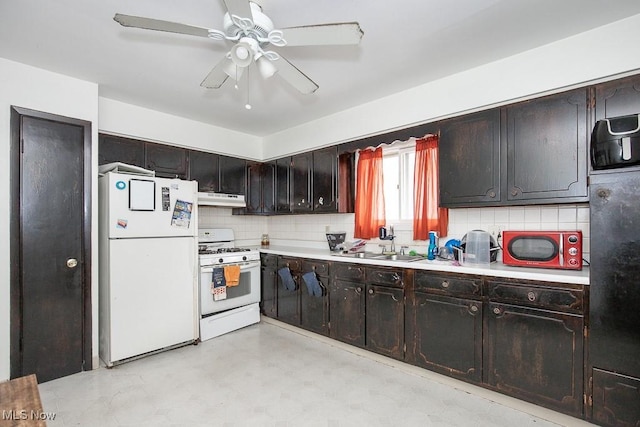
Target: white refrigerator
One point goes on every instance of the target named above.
(148, 265)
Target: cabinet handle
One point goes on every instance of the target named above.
(359, 290)
(474, 308)
(531, 296)
(370, 291)
(496, 310)
(492, 194)
(445, 284)
(396, 277)
(514, 192)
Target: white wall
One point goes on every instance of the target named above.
(142, 123)
(36, 89)
(596, 54)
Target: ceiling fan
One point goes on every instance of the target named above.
(253, 33)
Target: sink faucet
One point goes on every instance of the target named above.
(384, 236)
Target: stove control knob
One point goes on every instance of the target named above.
(244, 258)
(220, 260)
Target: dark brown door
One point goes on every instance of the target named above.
(50, 315)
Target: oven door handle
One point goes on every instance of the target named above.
(244, 266)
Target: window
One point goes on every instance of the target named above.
(398, 165)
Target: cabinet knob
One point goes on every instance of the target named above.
(496, 310)
(474, 308)
(370, 291)
(359, 290)
(492, 194)
(445, 284)
(514, 192)
(531, 296)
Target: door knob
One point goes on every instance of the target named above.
(72, 262)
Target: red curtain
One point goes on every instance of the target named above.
(369, 207)
(427, 216)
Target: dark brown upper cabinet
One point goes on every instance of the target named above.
(232, 175)
(117, 149)
(547, 142)
(301, 180)
(325, 169)
(166, 161)
(617, 98)
(203, 167)
(283, 185)
(469, 157)
(535, 152)
(260, 188)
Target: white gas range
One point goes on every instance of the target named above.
(227, 308)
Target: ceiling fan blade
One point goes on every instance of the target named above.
(294, 77)
(342, 33)
(159, 25)
(240, 8)
(217, 76)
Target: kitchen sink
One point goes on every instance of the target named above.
(385, 257)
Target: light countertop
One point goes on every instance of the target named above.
(496, 269)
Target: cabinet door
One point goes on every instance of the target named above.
(115, 149)
(385, 320)
(268, 187)
(448, 335)
(203, 167)
(289, 300)
(536, 355)
(469, 160)
(325, 164)
(547, 148)
(268, 286)
(232, 175)
(616, 399)
(166, 161)
(618, 98)
(346, 311)
(314, 310)
(254, 187)
(282, 185)
(301, 165)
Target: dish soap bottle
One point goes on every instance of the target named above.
(432, 250)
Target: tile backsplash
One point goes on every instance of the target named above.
(309, 230)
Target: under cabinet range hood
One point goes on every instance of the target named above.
(221, 199)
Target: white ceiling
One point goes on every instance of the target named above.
(406, 43)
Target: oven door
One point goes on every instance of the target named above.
(247, 291)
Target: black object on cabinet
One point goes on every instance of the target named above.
(614, 309)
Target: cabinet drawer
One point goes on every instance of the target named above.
(447, 285)
(321, 268)
(543, 296)
(385, 276)
(294, 264)
(351, 272)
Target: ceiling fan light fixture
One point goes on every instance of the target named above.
(265, 67)
(243, 52)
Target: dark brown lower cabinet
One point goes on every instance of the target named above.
(346, 308)
(288, 300)
(615, 399)
(268, 285)
(448, 335)
(536, 355)
(314, 309)
(384, 329)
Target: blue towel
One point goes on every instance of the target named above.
(313, 286)
(287, 280)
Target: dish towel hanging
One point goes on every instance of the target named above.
(287, 280)
(218, 285)
(313, 285)
(232, 275)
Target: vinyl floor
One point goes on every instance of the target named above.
(270, 374)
